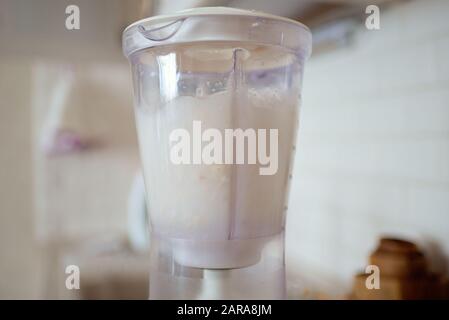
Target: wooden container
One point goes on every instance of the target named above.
(403, 274)
(398, 258)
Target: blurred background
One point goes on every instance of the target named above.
(373, 156)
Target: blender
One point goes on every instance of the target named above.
(216, 95)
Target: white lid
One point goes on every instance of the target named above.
(219, 11)
(216, 24)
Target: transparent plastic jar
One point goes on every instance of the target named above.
(217, 92)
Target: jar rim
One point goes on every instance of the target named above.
(135, 37)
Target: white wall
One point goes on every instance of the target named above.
(19, 260)
(85, 193)
(47, 201)
(373, 154)
(82, 196)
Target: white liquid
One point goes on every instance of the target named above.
(212, 204)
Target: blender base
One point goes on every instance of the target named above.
(264, 279)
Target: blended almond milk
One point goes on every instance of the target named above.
(210, 207)
(216, 97)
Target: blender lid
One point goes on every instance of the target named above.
(211, 11)
(169, 29)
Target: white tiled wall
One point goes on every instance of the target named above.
(373, 154)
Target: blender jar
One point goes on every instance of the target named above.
(217, 92)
